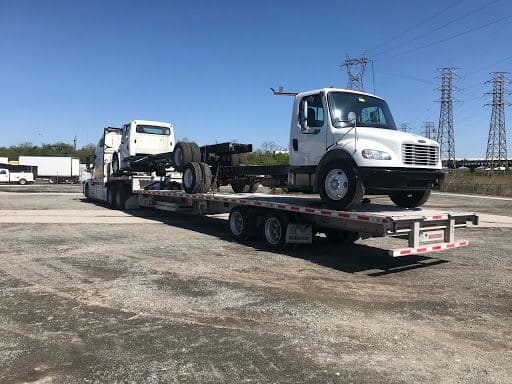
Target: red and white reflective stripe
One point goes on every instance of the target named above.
(427, 248)
(269, 204)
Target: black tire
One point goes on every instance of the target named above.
(239, 187)
(115, 164)
(339, 236)
(410, 199)
(253, 187)
(242, 223)
(182, 155)
(110, 197)
(86, 192)
(120, 196)
(274, 231)
(339, 185)
(206, 182)
(22, 181)
(196, 152)
(192, 178)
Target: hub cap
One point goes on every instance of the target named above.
(188, 178)
(336, 184)
(273, 231)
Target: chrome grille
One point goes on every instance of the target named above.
(416, 154)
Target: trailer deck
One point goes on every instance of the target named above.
(424, 230)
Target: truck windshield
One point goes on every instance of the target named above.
(153, 130)
(370, 111)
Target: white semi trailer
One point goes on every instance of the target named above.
(54, 169)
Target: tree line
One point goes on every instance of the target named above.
(58, 149)
(268, 154)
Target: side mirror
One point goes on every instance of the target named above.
(352, 118)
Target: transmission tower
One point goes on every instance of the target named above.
(496, 156)
(356, 81)
(445, 131)
(429, 130)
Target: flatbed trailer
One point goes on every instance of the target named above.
(287, 219)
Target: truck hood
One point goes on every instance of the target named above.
(386, 136)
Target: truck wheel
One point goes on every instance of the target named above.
(253, 187)
(22, 181)
(241, 223)
(192, 177)
(182, 155)
(120, 197)
(339, 185)
(206, 181)
(86, 192)
(339, 236)
(110, 197)
(239, 187)
(115, 164)
(410, 199)
(196, 152)
(274, 231)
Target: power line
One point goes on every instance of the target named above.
(415, 25)
(438, 28)
(453, 36)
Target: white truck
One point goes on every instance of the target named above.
(15, 174)
(344, 156)
(54, 169)
(145, 145)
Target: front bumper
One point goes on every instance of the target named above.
(376, 180)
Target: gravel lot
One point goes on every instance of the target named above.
(88, 295)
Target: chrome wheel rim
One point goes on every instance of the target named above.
(236, 223)
(336, 184)
(273, 231)
(188, 178)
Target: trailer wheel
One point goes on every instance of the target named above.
(410, 199)
(192, 178)
(196, 152)
(242, 224)
(22, 181)
(182, 155)
(339, 236)
(206, 181)
(340, 187)
(274, 230)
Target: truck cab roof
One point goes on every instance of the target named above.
(327, 90)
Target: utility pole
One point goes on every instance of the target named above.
(429, 129)
(356, 81)
(445, 131)
(496, 155)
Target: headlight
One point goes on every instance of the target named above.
(375, 155)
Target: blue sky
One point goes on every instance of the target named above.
(73, 67)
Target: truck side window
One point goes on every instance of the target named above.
(315, 111)
(3, 172)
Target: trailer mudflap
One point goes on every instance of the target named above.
(299, 233)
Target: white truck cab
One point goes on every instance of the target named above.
(140, 139)
(344, 144)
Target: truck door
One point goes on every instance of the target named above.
(309, 139)
(4, 176)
